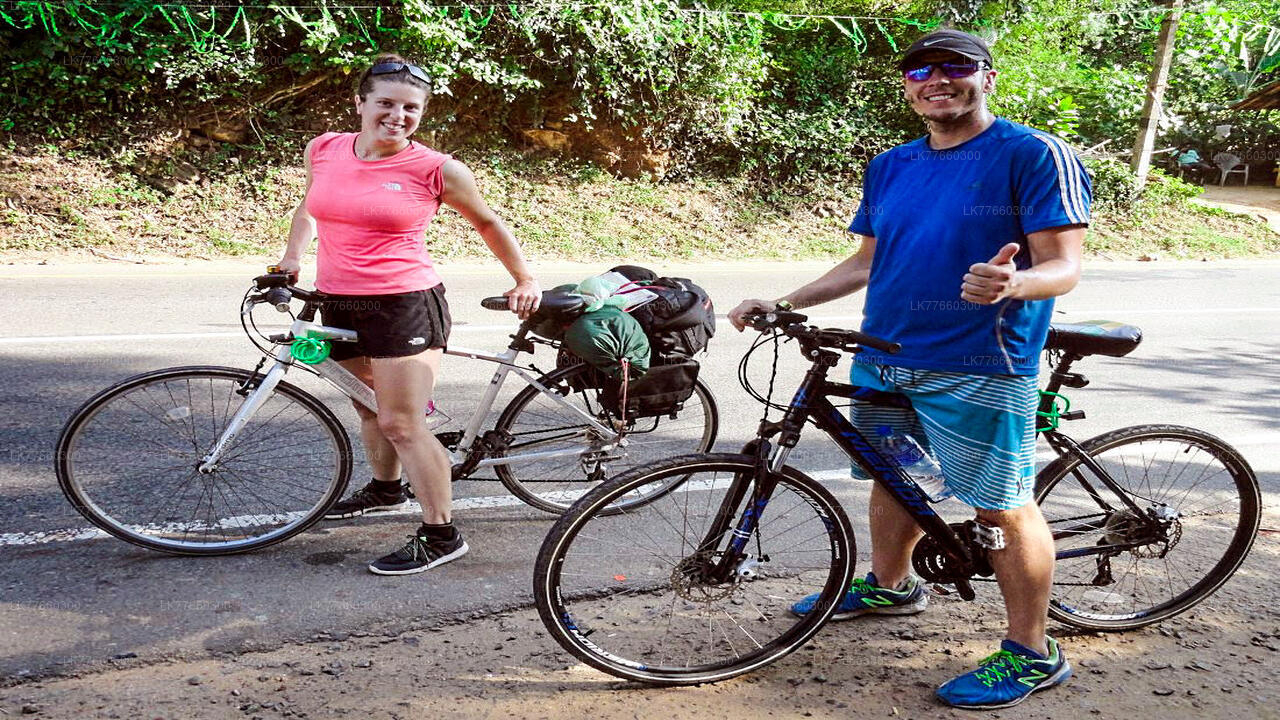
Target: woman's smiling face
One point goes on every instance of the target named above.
(390, 113)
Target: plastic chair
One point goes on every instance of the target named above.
(1229, 164)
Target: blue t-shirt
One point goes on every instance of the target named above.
(934, 213)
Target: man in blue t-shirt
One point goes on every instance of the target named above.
(968, 234)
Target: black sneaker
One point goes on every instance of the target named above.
(367, 499)
(420, 553)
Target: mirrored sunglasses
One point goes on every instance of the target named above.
(391, 68)
(954, 71)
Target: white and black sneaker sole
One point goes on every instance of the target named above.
(364, 511)
(434, 563)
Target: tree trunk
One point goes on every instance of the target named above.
(1148, 127)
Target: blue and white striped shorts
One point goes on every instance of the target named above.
(981, 428)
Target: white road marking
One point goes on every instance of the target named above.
(45, 537)
(1268, 461)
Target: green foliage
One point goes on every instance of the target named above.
(786, 90)
(1115, 187)
(1117, 196)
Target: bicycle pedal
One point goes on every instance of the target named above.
(987, 536)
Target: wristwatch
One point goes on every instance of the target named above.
(785, 305)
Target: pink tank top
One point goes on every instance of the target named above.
(371, 216)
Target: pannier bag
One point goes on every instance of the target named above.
(680, 321)
(661, 391)
(676, 322)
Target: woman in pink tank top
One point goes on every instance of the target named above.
(370, 196)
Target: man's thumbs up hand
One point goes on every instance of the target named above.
(994, 280)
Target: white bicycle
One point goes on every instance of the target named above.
(207, 460)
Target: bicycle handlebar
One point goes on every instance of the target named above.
(792, 325)
(498, 302)
(278, 292)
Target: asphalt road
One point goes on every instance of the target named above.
(1208, 360)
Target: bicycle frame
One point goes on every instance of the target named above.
(1065, 446)
(354, 388)
(811, 402)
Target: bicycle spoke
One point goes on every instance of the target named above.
(1185, 540)
(135, 457)
(691, 622)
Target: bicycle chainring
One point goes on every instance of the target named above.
(934, 565)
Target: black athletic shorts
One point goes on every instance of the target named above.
(395, 325)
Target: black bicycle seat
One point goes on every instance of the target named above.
(561, 304)
(555, 305)
(1094, 337)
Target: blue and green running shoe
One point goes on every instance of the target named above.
(865, 598)
(1006, 677)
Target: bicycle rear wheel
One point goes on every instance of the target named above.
(536, 423)
(627, 592)
(1197, 511)
(128, 461)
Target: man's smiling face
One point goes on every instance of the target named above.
(946, 100)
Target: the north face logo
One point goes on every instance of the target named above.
(417, 341)
(392, 186)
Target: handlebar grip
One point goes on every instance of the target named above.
(495, 303)
(873, 342)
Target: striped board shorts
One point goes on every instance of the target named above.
(981, 428)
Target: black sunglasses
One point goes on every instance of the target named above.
(415, 72)
(955, 71)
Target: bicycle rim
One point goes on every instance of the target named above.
(127, 460)
(1207, 496)
(620, 591)
(537, 423)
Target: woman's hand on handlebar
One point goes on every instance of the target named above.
(288, 265)
(748, 307)
(524, 298)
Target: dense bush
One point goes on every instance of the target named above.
(725, 87)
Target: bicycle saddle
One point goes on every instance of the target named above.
(561, 304)
(1094, 337)
(555, 304)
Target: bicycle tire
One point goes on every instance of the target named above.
(630, 574)
(554, 484)
(1158, 466)
(127, 461)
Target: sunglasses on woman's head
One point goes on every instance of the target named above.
(415, 72)
(953, 70)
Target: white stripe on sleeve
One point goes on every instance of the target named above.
(1066, 188)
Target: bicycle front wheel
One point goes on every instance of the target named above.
(129, 459)
(564, 455)
(634, 593)
(1181, 519)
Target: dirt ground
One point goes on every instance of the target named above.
(1254, 200)
(1218, 661)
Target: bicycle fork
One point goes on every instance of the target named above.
(252, 403)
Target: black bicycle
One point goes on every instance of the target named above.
(696, 586)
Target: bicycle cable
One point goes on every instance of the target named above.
(267, 352)
(776, 337)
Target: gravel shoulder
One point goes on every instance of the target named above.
(1216, 661)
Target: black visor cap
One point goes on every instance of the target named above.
(961, 43)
